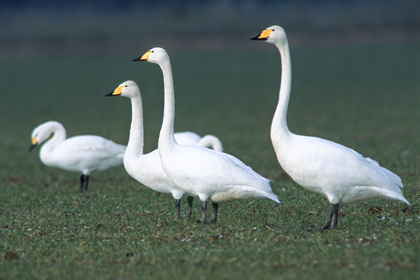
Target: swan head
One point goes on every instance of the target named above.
(273, 34)
(127, 89)
(156, 55)
(42, 132)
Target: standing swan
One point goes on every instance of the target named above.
(335, 171)
(82, 154)
(201, 172)
(147, 168)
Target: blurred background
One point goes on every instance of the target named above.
(30, 27)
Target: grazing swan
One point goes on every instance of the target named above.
(82, 154)
(201, 172)
(335, 171)
(147, 168)
(191, 138)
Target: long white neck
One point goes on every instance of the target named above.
(136, 138)
(279, 129)
(166, 136)
(59, 135)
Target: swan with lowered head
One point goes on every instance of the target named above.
(147, 168)
(340, 174)
(84, 154)
(200, 172)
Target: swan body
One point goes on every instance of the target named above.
(147, 168)
(340, 174)
(207, 174)
(84, 154)
(190, 138)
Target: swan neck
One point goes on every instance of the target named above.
(136, 138)
(279, 124)
(58, 136)
(166, 136)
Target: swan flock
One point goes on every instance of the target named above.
(185, 163)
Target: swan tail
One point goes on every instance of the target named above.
(405, 200)
(273, 197)
(399, 197)
(211, 141)
(265, 194)
(387, 194)
(243, 192)
(392, 179)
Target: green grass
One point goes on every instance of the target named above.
(363, 97)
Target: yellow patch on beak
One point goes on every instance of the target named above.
(34, 141)
(145, 56)
(118, 90)
(265, 34)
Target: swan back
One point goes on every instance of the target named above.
(187, 138)
(87, 153)
(190, 138)
(211, 141)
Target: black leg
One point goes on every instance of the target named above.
(214, 213)
(334, 211)
(332, 219)
(203, 211)
(177, 203)
(82, 183)
(190, 205)
(86, 182)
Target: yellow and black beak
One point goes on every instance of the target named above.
(34, 144)
(116, 92)
(144, 57)
(263, 35)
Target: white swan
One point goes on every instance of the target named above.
(335, 171)
(147, 168)
(82, 154)
(201, 172)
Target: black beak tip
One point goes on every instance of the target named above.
(108, 94)
(254, 38)
(137, 59)
(32, 147)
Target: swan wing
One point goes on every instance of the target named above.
(205, 167)
(88, 152)
(317, 163)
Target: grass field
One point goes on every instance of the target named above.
(365, 97)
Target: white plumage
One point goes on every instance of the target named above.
(201, 172)
(340, 174)
(147, 168)
(84, 154)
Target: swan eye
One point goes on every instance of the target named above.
(273, 30)
(126, 85)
